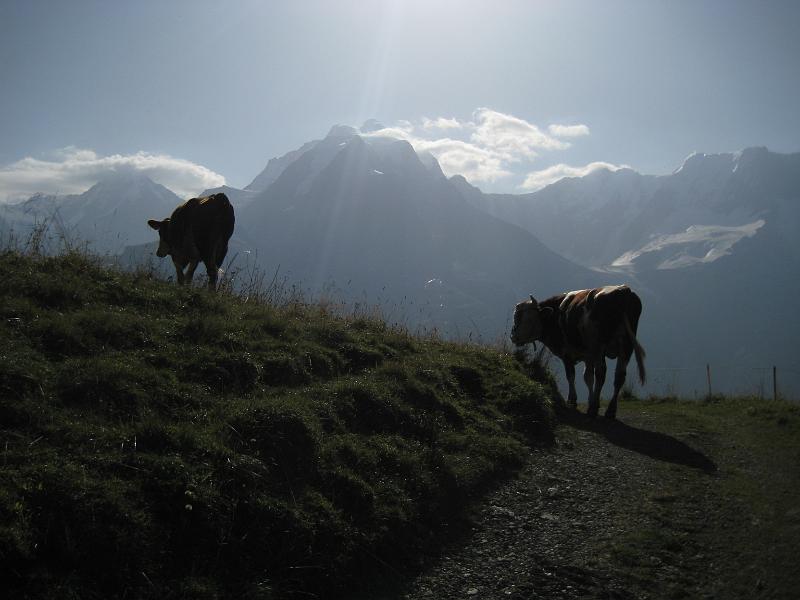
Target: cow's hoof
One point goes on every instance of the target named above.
(611, 415)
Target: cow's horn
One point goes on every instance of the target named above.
(533, 300)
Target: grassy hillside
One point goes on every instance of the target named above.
(165, 442)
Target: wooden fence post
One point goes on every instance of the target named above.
(708, 377)
(774, 382)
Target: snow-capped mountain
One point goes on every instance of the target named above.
(109, 216)
(586, 219)
(367, 216)
(707, 207)
(695, 215)
(336, 137)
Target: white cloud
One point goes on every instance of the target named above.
(399, 132)
(441, 123)
(492, 145)
(539, 179)
(511, 137)
(568, 131)
(73, 170)
(457, 157)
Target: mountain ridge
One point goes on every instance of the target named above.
(366, 220)
(377, 217)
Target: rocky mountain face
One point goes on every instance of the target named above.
(276, 166)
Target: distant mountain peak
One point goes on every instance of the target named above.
(753, 151)
(727, 161)
(698, 161)
(341, 137)
(126, 183)
(124, 176)
(430, 161)
(752, 156)
(342, 131)
(371, 125)
(276, 166)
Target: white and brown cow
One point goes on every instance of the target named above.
(198, 230)
(586, 326)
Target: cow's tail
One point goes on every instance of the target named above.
(637, 350)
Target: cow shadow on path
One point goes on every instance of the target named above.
(653, 444)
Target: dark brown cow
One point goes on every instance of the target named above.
(586, 326)
(198, 230)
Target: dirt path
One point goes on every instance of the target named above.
(614, 510)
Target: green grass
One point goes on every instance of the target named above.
(745, 513)
(158, 441)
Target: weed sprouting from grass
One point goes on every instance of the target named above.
(250, 283)
(46, 235)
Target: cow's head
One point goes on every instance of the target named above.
(529, 320)
(162, 227)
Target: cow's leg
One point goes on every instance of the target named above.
(599, 380)
(619, 380)
(212, 269)
(213, 262)
(588, 379)
(220, 253)
(187, 278)
(178, 271)
(599, 368)
(572, 398)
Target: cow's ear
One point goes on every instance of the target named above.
(154, 224)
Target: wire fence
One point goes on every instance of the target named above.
(765, 382)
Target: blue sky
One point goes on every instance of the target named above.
(512, 94)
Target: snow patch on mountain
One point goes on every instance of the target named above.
(699, 244)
